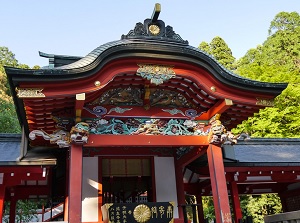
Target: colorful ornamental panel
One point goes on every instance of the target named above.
(151, 212)
(135, 126)
(79, 134)
(157, 74)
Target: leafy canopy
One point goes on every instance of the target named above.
(276, 60)
(221, 52)
(8, 118)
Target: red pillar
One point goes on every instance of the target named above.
(100, 191)
(66, 204)
(75, 183)
(12, 210)
(218, 184)
(180, 190)
(2, 199)
(235, 201)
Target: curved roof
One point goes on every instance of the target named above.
(200, 79)
(139, 43)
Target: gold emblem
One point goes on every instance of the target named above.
(154, 29)
(157, 74)
(30, 92)
(142, 213)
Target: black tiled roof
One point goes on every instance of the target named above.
(9, 148)
(10, 153)
(265, 150)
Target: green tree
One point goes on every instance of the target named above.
(36, 67)
(285, 21)
(26, 210)
(204, 46)
(208, 208)
(277, 60)
(8, 118)
(221, 52)
(7, 58)
(259, 206)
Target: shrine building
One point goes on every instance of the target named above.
(129, 131)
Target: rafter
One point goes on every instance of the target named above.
(220, 107)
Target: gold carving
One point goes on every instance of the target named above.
(157, 74)
(142, 213)
(30, 93)
(265, 102)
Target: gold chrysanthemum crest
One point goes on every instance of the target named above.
(142, 213)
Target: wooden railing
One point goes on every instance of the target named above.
(48, 214)
(287, 217)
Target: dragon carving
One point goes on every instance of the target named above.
(78, 135)
(59, 137)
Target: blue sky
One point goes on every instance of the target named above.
(77, 27)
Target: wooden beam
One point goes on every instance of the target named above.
(192, 155)
(145, 140)
(80, 99)
(219, 108)
(21, 169)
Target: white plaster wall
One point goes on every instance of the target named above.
(90, 189)
(165, 181)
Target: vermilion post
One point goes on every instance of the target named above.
(218, 184)
(100, 190)
(235, 201)
(75, 183)
(2, 199)
(66, 204)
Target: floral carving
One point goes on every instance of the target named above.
(157, 74)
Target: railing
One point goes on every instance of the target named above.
(287, 217)
(48, 214)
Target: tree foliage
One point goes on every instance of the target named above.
(208, 208)
(26, 211)
(8, 118)
(221, 52)
(285, 21)
(259, 206)
(276, 60)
